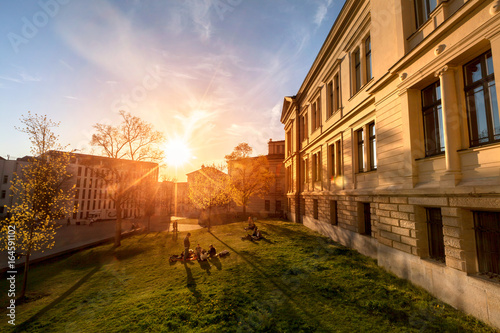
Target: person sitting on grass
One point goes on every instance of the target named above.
(203, 255)
(256, 234)
(211, 250)
(251, 225)
(198, 251)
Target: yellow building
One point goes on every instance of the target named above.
(393, 144)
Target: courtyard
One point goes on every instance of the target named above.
(293, 280)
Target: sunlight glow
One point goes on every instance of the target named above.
(177, 152)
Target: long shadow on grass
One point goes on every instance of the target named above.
(191, 283)
(24, 325)
(283, 288)
(120, 253)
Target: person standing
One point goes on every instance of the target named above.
(187, 244)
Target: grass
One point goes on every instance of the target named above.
(292, 281)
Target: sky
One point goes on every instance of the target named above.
(209, 74)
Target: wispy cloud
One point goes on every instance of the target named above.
(72, 97)
(8, 78)
(65, 64)
(29, 78)
(23, 77)
(321, 12)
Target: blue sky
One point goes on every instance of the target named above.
(211, 73)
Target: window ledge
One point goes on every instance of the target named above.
(430, 158)
(486, 146)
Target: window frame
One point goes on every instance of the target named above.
(368, 59)
(435, 236)
(486, 82)
(423, 7)
(360, 153)
(372, 143)
(435, 109)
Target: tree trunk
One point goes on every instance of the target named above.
(118, 225)
(25, 275)
(209, 217)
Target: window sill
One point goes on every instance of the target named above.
(432, 157)
(486, 146)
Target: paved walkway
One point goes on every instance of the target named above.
(79, 236)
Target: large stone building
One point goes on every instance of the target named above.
(272, 203)
(91, 193)
(393, 144)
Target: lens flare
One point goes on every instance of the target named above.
(177, 152)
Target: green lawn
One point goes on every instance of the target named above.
(293, 281)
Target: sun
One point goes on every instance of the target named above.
(177, 152)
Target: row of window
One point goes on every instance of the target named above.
(482, 107)
(486, 228)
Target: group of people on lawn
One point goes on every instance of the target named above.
(199, 253)
(256, 235)
(202, 255)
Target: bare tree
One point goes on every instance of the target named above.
(41, 193)
(132, 140)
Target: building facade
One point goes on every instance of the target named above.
(8, 169)
(393, 144)
(272, 203)
(93, 190)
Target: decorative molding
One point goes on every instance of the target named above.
(495, 8)
(447, 68)
(439, 49)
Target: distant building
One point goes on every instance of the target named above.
(91, 194)
(8, 169)
(273, 203)
(393, 144)
(92, 197)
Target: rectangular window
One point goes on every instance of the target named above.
(423, 9)
(306, 171)
(289, 142)
(1, 209)
(482, 104)
(361, 150)
(435, 234)
(78, 182)
(433, 119)
(333, 212)
(2, 196)
(336, 98)
(331, 161)
(317, 166)
(86, 171)
(487, 227)
(5, 179)
(278, 205)
(373, 146)
(367, 219)
(267, 205)
(368, 58)
(330, 99)
(357, 70)
(338, 163)
(315, 208)
(77, 194)
(318, 112)
(90, 193)
(313, 117)
(85, 182)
